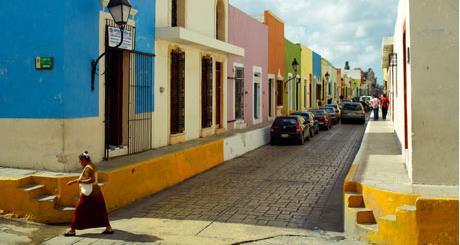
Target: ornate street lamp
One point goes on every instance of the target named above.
(295, 65)
(120, 11)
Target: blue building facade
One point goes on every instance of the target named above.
(68, 31)
(51, 101)
(316, 76)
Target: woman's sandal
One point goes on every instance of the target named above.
(70, 233)
(106, 232)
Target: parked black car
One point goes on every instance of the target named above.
(310, 119)
(290, 128)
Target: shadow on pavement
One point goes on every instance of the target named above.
(120, 235)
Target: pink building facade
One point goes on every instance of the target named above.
(248, 90)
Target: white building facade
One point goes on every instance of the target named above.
(191, 64)
(421, 65)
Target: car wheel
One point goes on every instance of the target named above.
(301, 140)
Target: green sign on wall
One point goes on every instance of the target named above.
(43, 63)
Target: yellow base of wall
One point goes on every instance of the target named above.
(43, 199)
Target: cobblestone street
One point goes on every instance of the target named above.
(283, 186)
(264, 193)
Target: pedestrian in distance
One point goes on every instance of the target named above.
(375, 106)
(385, 104)
(91, 211)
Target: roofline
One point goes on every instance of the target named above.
(276, 17)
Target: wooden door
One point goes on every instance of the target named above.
(218, 94)
(114, 98)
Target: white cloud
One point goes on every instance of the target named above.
(360, 32)
(340, 30)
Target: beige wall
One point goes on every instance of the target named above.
(161, 116)
(434, 58)
(432, 89)
(200, 18)
(48, 144)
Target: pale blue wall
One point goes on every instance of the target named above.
(68, 31)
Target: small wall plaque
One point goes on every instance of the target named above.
(44, 63)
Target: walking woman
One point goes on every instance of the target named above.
(91, 211)
(385, 104)
(375, 106)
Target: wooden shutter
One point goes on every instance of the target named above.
(181, 98)
(239, 93)
(177, 92)
(206, 92)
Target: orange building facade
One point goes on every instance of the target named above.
(276, 63)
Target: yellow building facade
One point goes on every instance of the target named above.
(306, 71)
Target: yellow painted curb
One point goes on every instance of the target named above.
(121, 186)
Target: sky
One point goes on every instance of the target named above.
(339, 30)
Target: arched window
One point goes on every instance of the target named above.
(220, 20)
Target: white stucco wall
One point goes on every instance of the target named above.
(50, 144)
(434, 69)
(161, 116)
(242, 143)
(403, 17)
(200, 18)
(432, 89)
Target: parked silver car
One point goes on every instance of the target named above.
(353, 112)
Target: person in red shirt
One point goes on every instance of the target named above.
(385, 104)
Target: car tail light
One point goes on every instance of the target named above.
(297, 128)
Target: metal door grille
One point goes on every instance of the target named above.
(135, 100)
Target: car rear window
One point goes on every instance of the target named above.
(352, 107)
(305, 115)
(285, 121)
(318, 113)
(329, 109)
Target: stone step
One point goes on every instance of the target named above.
(34, 190)
(355, 200)
(46, 198)
(365, 216)
(388, 217)
(66, 208)
(368, 227)
(365, 232)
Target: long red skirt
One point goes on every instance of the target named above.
(91, 212)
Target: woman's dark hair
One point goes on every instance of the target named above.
(384, 95)
(84, 156)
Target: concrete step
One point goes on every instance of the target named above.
(365, 216)
(366, 232)
(46, 198)
(34, 190)
(388, 218)
(354, 200)
(65, 209)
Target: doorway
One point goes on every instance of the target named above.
(206, 92)
(115, 93)
(219, 95)
(270, 97)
